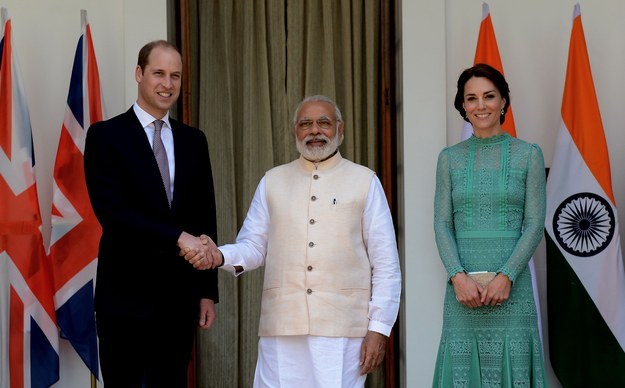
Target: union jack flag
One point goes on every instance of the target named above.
(28, 332)
(75, 230)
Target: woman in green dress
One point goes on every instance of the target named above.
(489, 216)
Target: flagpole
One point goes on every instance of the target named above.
(83, 23)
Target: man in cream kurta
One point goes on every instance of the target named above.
(322, 228)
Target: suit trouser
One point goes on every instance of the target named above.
(140, 352)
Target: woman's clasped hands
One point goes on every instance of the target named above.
(473, 295)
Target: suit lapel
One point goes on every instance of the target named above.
(180, 158)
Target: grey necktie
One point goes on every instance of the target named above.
(161, 157)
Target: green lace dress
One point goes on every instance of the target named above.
(489, 216)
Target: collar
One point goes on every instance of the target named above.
(146, 119)
(327, 164)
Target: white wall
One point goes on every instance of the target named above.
(533, 39)
(45, 35)
(422, 110)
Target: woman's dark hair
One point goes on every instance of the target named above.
(485, 71)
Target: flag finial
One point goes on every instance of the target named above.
(485, 10)
(576, 11)
(83, 18)
(5, 16)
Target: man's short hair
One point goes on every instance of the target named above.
(145, 51)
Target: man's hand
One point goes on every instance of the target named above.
(372, 351)
(192, 247)
(195, 252)
(207, 313)
(206, 256)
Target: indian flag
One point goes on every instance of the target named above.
(487, 52)
(585, 275)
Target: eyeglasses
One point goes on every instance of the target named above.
(322, 122)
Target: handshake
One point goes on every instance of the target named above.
(201, 252)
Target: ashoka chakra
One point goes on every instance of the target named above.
(584, 224)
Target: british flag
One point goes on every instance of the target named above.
(28, 333)
(75, 230)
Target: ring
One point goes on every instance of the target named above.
(498, 304)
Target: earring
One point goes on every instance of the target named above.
(502, 112)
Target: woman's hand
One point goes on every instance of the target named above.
(497, 291)
(468, 291)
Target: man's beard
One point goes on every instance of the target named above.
(316, 153)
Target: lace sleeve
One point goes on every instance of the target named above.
(443, 218)
(533, 218)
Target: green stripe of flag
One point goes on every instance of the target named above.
(594, 361)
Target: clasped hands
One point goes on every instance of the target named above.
(201, 252)
(471, 294)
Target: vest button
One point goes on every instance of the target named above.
(315, 176)
(311, 244)
(313, 198)
(311, 221)
(310, 268)
(309, 291)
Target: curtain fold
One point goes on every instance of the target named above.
(254, 60)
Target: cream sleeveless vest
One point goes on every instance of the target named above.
(317, 272)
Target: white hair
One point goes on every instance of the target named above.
(316, 98)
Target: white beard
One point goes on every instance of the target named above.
(314, 153)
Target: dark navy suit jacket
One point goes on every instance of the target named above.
(139, 271)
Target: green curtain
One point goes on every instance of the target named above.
(252, 62)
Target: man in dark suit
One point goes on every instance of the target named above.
(148, 299)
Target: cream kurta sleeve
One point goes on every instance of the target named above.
(250, 248)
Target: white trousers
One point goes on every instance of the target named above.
(308, 362)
